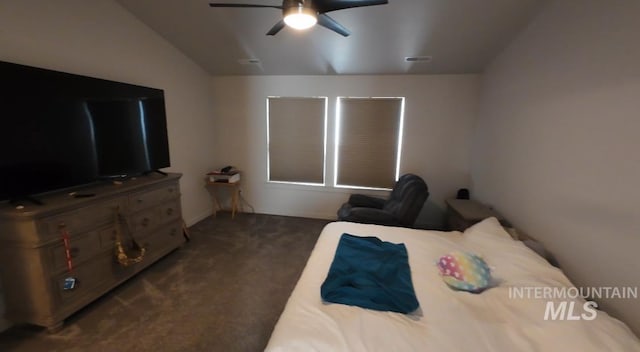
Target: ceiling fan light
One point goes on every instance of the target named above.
(300, 17)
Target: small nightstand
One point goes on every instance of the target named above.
(462, 213)
(234, 188)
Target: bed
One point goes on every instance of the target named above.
(446, 320)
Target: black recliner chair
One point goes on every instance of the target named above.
(401, 209)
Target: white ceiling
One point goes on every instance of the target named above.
(462, 36)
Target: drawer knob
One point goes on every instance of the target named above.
(139, 201)
(145, 222)
(169, 211)
(173, 232)
(74, 252)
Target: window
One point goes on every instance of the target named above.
(368, 142)
(296, 139)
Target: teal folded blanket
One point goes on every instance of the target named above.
(370, 273)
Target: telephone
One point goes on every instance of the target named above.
(226, 169)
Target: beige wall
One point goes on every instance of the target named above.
(556, 148)
(439, 116)
(100, 39)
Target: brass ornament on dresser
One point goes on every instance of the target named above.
(121, 255)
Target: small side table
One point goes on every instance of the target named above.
(235, 195)
(462, 213)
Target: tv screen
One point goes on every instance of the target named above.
(59, 130)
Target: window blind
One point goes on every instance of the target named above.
(296, 137)
(368, 141)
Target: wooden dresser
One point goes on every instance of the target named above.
(33, 256)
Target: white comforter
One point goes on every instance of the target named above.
(447, 320)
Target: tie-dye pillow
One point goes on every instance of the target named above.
(464, 271)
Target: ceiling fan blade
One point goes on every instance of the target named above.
(333, 5)
(329, 23)
(276, 28)
(213, 4)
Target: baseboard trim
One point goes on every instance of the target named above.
(195, 219)
(303, 214)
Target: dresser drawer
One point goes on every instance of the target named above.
(156, 216)
(156, 244)
(88, 276)
(143, 224)
(81, 248)
(82, 219)
(168, 236)
(142, 200)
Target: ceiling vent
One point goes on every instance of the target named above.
(249, 61)
(418, 59)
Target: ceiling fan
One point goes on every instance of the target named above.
(303, 14)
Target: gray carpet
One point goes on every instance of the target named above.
(222, 291)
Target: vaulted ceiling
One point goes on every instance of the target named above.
(461, 36)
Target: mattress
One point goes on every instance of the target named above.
(498, 319)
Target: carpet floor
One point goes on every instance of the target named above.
(222, 291)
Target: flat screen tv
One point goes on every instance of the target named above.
(59, 130)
